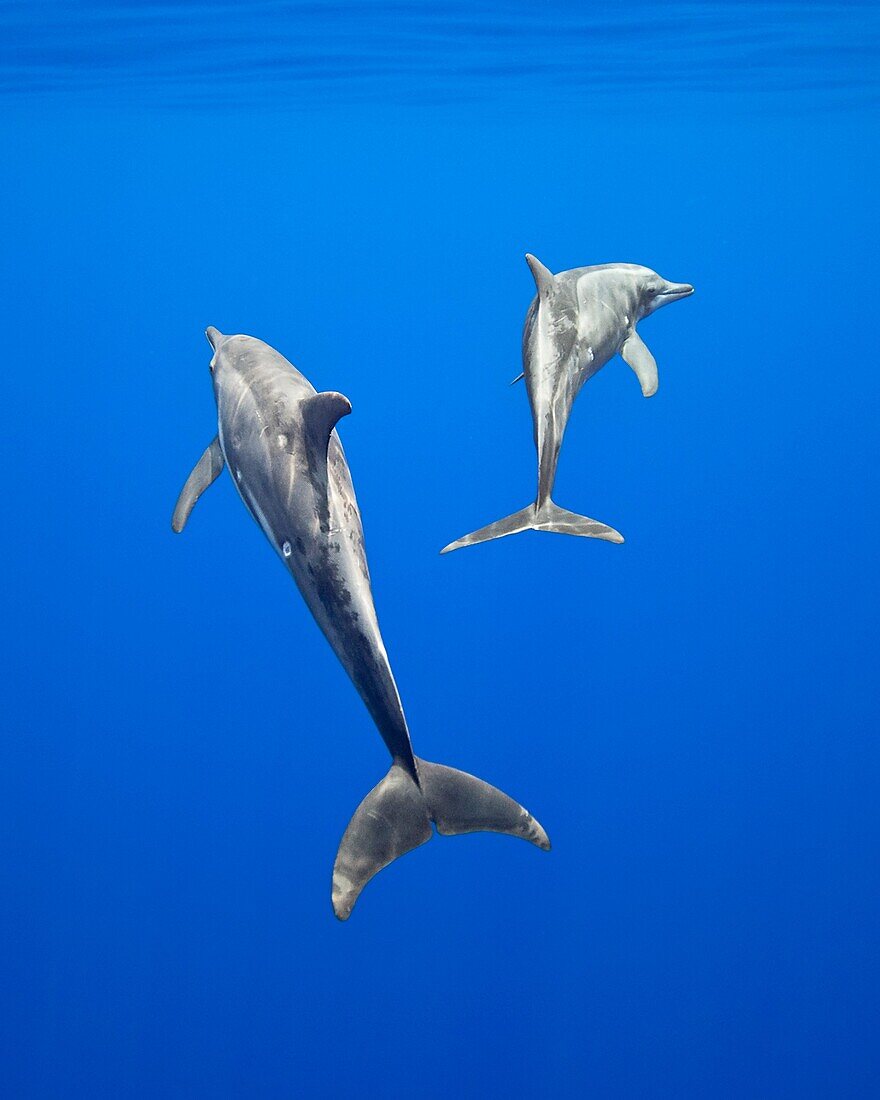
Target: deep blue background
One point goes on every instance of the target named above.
(692, 716)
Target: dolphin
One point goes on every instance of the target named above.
(577, 321)
(278, 437)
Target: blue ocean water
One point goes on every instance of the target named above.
(693, 716)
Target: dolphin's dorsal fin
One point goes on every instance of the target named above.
(321, 412)
(205, 471)
(543, 276)
(636, 355)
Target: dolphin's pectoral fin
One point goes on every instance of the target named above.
(205, 471)
(321, 412)
(636, 355)
(543, 276)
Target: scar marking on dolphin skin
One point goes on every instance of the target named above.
(243, 392)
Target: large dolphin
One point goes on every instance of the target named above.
(278, 437)
(578, 320)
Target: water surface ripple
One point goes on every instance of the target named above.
(303, 53)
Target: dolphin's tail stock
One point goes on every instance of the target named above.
(546, 517)
(396, 817)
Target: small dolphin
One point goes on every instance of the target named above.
(578, 320)
(278, 437)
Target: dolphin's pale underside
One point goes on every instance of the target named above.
(278, 438)
(578, 320)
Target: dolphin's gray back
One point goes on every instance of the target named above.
(550, 345)
(297, 485)
(572, 328)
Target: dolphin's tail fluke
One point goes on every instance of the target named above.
(547, 517)
(396, 817)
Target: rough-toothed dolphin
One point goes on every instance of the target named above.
(578, 320)
(278, 437)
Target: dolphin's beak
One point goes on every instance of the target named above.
(215, 337)
(676, 291)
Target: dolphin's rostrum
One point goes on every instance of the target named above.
(278, 437)
(578, 320)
